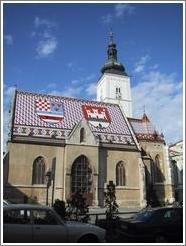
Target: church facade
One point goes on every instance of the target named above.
(85, 144)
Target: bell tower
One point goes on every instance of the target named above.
(114, 84)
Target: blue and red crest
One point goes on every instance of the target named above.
(49, 111)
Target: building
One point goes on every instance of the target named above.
(176, 159)
(85, 144)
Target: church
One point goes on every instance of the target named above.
(84, 144)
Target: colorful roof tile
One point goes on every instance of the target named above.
(40, 115)
(145, 130)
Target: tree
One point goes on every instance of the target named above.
(110, 201)
(77, 209)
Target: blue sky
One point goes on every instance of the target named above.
(60, 48)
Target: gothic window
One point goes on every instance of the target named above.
(120, 174)
(158, 171)
(38, 172)
(82, 135)
(81, 174)
(175, 172)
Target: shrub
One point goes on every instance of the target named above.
(110, 201)
(77, 209)
(31, 200)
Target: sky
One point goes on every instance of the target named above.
(59, 49)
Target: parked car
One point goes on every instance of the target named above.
(158, 225)
(24, 223)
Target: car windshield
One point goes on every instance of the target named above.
(143, 216)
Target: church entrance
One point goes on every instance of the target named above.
(81, 178)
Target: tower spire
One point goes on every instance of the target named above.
(112, 65)
(144, 109)
(111, 36)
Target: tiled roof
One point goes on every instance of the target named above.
(40, 115)
(145, 130)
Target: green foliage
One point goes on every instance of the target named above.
(77, 209)
(32, 200)
(110, 201)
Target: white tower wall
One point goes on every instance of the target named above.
(114, 88)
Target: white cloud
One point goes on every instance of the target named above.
(91, 89)
(46, 47)
(154, 67)
(140, 65)
(162, 96)
(73, 91)
(8, 39)
(52, 85)
(76, 88)
(139, 68)
(90, 77)
(8, 92)
(68, 92)
(107, 19)
(38, 22)
(70, 64)
(46, 41)
(75, 82)
(120, 10)
(123, 8)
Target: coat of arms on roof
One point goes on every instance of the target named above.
(97, 116)
(49, 111)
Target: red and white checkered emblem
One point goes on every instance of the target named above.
(42, 105)
(50, 112)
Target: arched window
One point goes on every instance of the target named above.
(158, 171)
(120, 174)
(175, 172)
(82, 135)
(38, 172)
(81, 174)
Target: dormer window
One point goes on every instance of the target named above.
(82, 135)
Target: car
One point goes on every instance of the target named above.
(159, 225)
(24, 223)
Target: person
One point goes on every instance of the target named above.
(59, 207)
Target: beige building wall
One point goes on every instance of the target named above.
(102, 162)
(21, 159)
(128, 195)
(164, 190)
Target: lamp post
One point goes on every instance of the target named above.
(48, 180)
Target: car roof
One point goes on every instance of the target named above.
(161, 208)
(25, 206)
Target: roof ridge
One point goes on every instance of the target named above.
(66, 97)
(134, 119)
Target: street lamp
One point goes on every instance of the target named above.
(48, 181)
